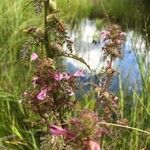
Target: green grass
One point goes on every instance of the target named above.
(75, 9)
(15, 77)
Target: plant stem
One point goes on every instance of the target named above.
(47, 41)
(123, 126)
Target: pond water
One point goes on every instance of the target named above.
(135, 49)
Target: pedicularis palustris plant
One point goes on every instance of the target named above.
(52, 94)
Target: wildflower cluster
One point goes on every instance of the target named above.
(52, 94)
(83, 132)
(113, 39)
(52, 90)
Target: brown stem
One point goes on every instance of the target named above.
(111, 60)
(97, 104)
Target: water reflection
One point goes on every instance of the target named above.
(128, 67)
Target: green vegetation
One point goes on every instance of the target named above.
(15, 75)
(75, 9)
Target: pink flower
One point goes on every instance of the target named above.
(123, 34)
(34, 56)
(66, 76)
(42, 94)
(92, 145)
(105, 34)
(79, 73)
(58, 131)
(58, 76)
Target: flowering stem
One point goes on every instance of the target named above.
(74, 57)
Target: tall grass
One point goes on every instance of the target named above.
(14, 75)
(136, 108)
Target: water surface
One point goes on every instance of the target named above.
(133, 50)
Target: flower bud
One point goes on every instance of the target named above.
(48, 62)
(110, 72)
(50, 17)
(106, 95)
(30, 30)
(52, 5)
(56, 47)
(39, 32)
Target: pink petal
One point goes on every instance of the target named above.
(92, 145)
(119, 41)
(58, 131)
(79, 73)
(104, 34)
(34, 56)
(58, 76)
(42, 95)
